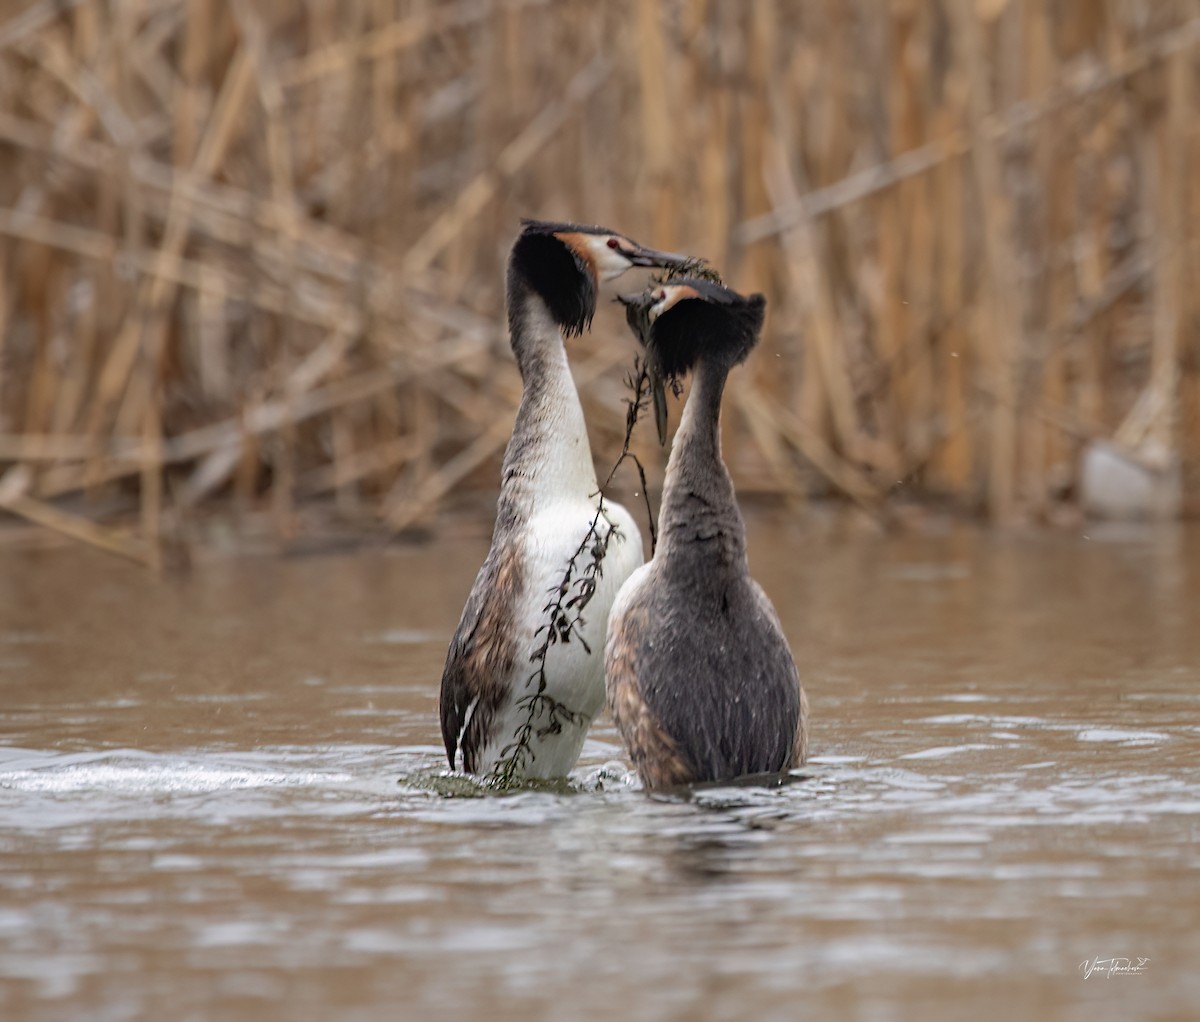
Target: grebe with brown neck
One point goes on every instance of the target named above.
(700, 679)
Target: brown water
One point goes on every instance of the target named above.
(219, 799)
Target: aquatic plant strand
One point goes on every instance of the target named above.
(690, 267)
(569, 600)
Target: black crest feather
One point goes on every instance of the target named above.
(560, 276)
(531, 226)
(718, 323)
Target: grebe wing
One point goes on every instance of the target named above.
(654, 753)
(481, 657)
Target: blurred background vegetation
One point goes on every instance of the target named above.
(251, 255)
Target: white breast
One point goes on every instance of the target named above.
(574, 676)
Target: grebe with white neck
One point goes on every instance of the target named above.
(499, 712)
(701, 682)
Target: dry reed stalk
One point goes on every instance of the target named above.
(659, 110)
(15, 500)
(759, 39)
(1001, 342)
(808, 266)
(5, 317)
(919, 430)
(1171, 281)
(895, 216)
(710, 108)
(891, 318)
(1046, 231)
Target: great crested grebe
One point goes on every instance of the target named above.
(498, 712)
(699, 676)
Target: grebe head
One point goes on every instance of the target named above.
(688, 320)
(566, 263)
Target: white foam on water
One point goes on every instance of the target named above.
(1125, 737)
(942, 751)
(166, 777)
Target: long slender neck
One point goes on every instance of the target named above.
(698, 506)
(548, 457)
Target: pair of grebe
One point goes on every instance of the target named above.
(699, 677)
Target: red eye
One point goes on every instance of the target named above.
(613, 243)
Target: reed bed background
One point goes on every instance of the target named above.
(251, 255)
